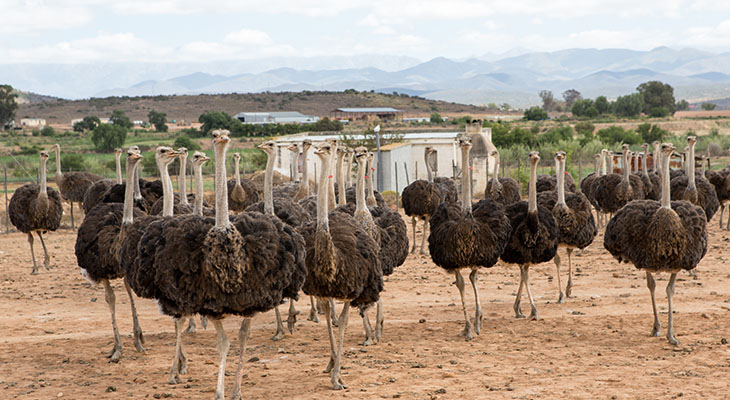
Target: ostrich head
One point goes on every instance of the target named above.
(324, 149)
(237, 156)
(691, 140)
(267, 147)
(199, 158)
(597, 156)
(132, 155)
(645, 146)
(118, 151)
(361, 154)
(560, 156)
(44, 155)
(534, 157)
(294, 148)
(164, 155)
(182, 152)
(306, 144)
(56, 147)
(134, 148)
(221, 138)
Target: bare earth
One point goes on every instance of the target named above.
(55, 333)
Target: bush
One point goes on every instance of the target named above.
(107, 137)
(617, 135)
(557, 134)
(708, 106)
(659, 112)
(535, 114)
(629, 105)
(649, 133)
(73, 162)
(185, 141)
(715, 149)
(436, 118)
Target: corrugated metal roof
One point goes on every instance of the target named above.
(369, 110)
(406, 137)
(392, 146)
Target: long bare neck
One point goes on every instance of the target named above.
(59, 173)
(119, 168)
(360, 188)
(182, 185)
(691, 165)
(237, 173)
(532, 188)
(341, 200)
(610, 164)
(128, 213)
(644, 169)
(666, 186)
(331, 203)
(465, 180)
(370, 197)
(636, 161)
(137, 190)
(428, 166)
(348, 172)
(595, 167)
(627, 167)
(198, 204)
(323, 190)
(561, 182)
(269, 184)
(604, 167)
(305, 169)
(168, 198)
(221, 188)
(657, 158)
(42, 193)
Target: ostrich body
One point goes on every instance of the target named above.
(533, 239)
(546, 183)
(289, 213)
(688, 187)
(573, 215)
(73, 185)
(613, 191)
(342, 263)
(504, 191)
(241, 191)
(468, 236)
(446, 186)
(96, 192)
(652, 185)
(214, 267)
(659, 236)
(721, 181)
(36, 208)
(98, 251)
(420, 200)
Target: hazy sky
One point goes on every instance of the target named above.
(74, 31)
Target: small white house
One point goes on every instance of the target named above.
(276, 117)
(32, 122)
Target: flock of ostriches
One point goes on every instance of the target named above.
(338, 244)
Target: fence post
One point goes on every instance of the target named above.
(580, 174)
(396, 185)
(408, 180)
(5, 185)
(316, 181)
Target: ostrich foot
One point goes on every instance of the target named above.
(116, 353)
(656, 330)
(468, 331)
(478, 321)
(672, 340)
(561, 298)
(330, 365)
(47, 264)
(313, 315)
(533, 314)
(569, 289)
(337, 383)
(368, 341)
(278, 335)
(518, 312)
(139, 340)
(35, 271)
(191, 326)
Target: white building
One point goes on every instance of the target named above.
(278, 117)
(32, 122)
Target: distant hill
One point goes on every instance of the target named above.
(188, 108)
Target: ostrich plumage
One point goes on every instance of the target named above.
(96, 192)
(504, 191)
(98, 253)
(342, 263)
(659, 236)
(547, 183)
(614, 191)
(241, 191)
(73, 185)
(420, 200)
(721, 181)
(217, 266)
(695, 188)
(468, 236)
(652, 185)
(533, 239)
(36, 208)
(576, 226)
(446, 186)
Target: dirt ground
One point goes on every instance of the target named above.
(55, 333)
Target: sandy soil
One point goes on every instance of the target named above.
(55, 333)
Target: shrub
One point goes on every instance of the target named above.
(659, 112)
(48, 131)
(185, 141)
(73, 162)
(436, 118)
(617, 135)
(535, 114)
(650, 133)
(107, 137)
(708, 106)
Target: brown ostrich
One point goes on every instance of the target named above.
(241, 191)
(73, 185)
(420, 200)
(36, 208)
(96, 192)
(504, 191)
(614, 191)
(695, 189)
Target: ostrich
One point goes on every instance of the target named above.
(95, 193)
(652, 186)
(721, 181)
(613, 191)
(699, 192)
(222, 266)
(573, 215)
(179, 207)
(468, 236)
(342, 263)
(588, 183)
(241, 191)
(348, 175)
(181, 181)
(72, 185)
(304, 183)
(446, 186)
(97, 250)
(534, 236)
(36, 208)
(420, 200)
(291, 214)
(659, 236)
(504, 191)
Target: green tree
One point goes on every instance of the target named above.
(48, 131)
(571, 96)
(601, 104)
(87, 124)
(185, 141)
(650, 133)
(107, 137)
(72, 162)
(8, 105)
(616, 135)
(535, 114)
(682, 105)
(214, 120)
(657, 94)
(580, 106)
(159, 120)
(436, 118)
(557, 134)
(591, 111)
(708, 106)
(119, 118)
(658, 112)
(629, 105)
(585, 130)
(548, 101)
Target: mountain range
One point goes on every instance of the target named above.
(514, 78)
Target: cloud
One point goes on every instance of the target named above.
(30, 17)
(708, 37)
(249, 37)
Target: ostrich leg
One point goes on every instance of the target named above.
(569, 288)
(243, 334)
(651, 284)
(331, 335)
(313, 310)
(423, 237)
(223, 346)
(191, 326)
(722, 213)
(292, 319)
(413, 223)
(556, 260)
(279, 326)
(526, 271)
(138, 337)
(333, 310)
(111, 300)
(175, 371)
(32, 254)
(518, 297)
(728, 218)
(379, 320)
(46, 259)
(337, 383)
(369, 337)
(670, 317)
(478, 316)
(468, 331)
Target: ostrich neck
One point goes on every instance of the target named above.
(167, 195)
(627, 168)
(657, 157)
(322, 197)
(465, 181)
(636, 161)
(237, 173)
(269, 184)
(532, 188)
(305, 169)
(348, 173)
(691, 166)
(182, 185)
(644, 169)
(666, 187)
(293, 163)
(330, 183)
(561, 182)
(119, 168)
(369, 185)
(595, 167)
(221, 188)
(198, 204)
(127, 213)
(59, 173)
(428, 166)
(495, 180)
(610, 164)
(603, 164)
(360, 188)
(341, 200)
(42, 193)
(137, 190)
